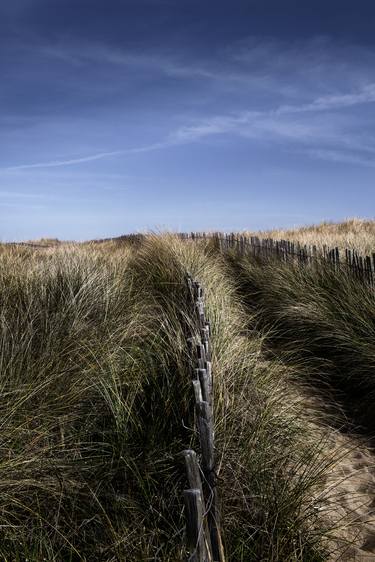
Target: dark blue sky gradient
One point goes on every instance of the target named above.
(149, 114)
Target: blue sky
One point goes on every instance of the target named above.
(124, 116)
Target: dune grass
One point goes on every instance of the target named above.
(320, 316)
(353, 233)
(96, 401)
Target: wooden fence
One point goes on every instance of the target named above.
(201, 499)
(362, 267)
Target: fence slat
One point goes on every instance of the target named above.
(194, 526)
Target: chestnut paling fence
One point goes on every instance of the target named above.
(362, 267)
(349, 259)
(203, 534)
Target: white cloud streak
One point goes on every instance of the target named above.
(333, 102)
(68, 162)
(84, 159)
(280, 124)
(20, 195)
(344, 157)
(266, 125)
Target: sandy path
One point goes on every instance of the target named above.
(347, 494)
(350, 499)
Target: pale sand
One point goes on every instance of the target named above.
(347, 493)
(350, 500)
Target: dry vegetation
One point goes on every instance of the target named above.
(353, 233)
(96, 402)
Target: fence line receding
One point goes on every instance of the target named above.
(203, 534)
(348, 259)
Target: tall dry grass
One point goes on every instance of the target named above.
(319, 315)
(353, 233)
(96, 402)
(275, 453)
(320, 322)
(89, 433)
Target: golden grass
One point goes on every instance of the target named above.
(95, 390)
(352, 233)
(319, 321)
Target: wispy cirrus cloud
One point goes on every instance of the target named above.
(98, 54)
(20, 195)
(19, 205)
(269, 125)
(250, 61)
(344, 157)
(333, 102)
(280, 122)
(85, 159)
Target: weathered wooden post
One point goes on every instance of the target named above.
(194, 525)
(370, 271)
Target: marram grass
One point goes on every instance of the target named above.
(97, 404)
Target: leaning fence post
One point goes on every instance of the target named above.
(195, 482)
(194, 525)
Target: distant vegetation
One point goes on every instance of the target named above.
(96, 400)
(354, 233)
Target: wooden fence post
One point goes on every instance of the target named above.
(194, 525)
